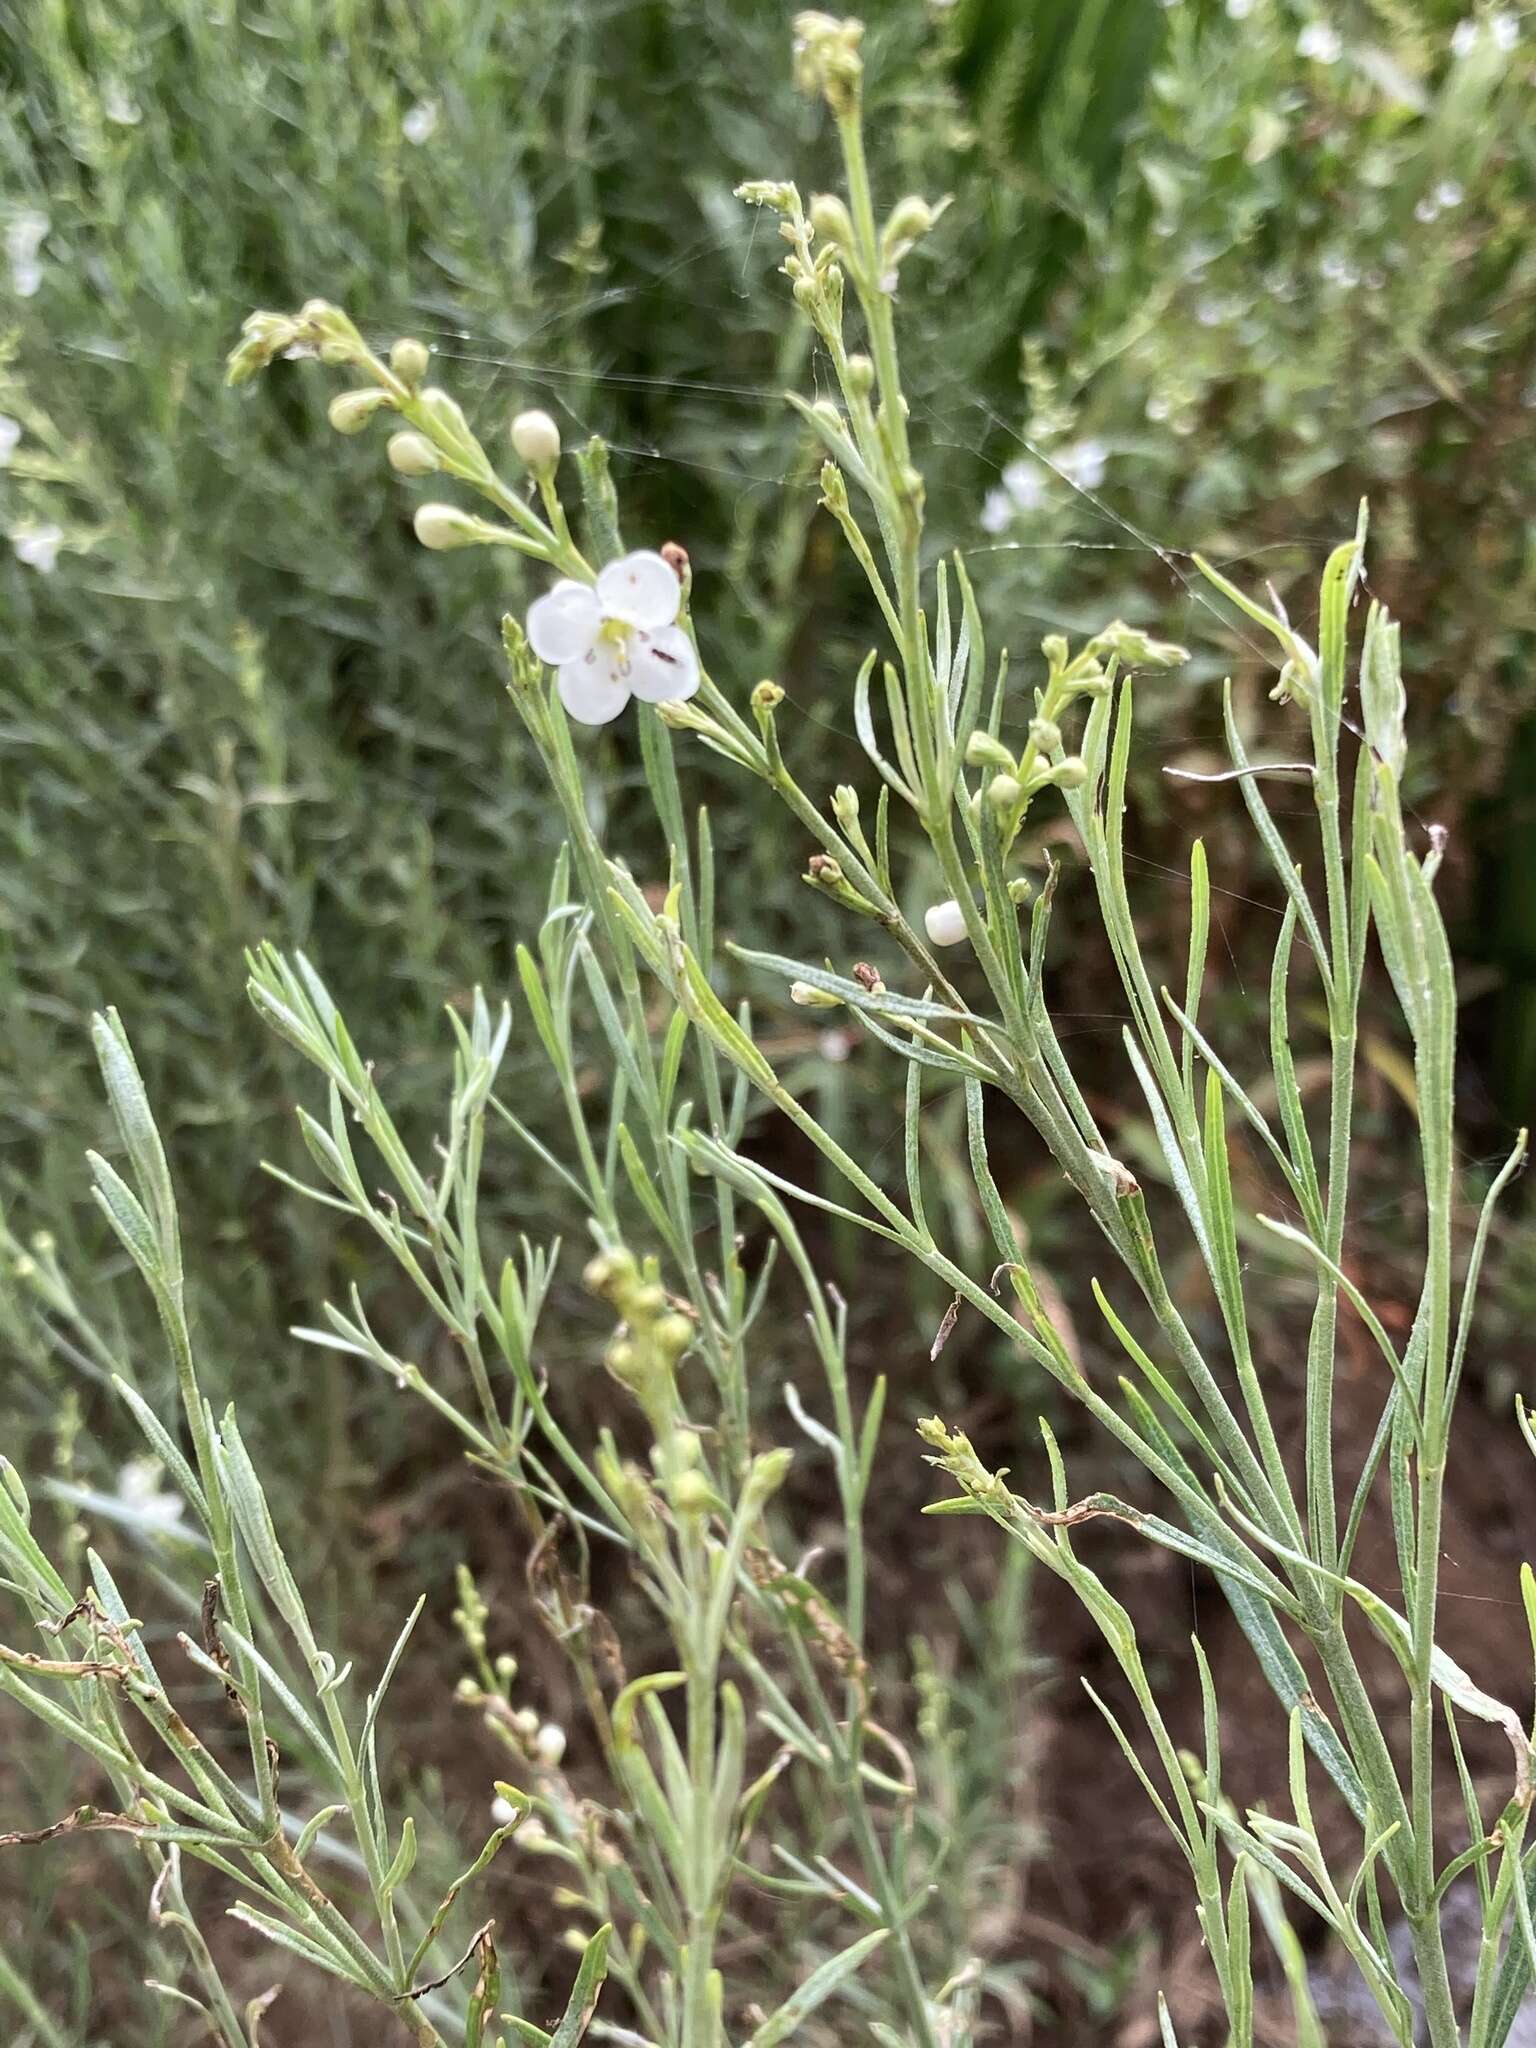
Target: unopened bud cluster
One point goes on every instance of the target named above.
(827, 60)
(435, 435)
(652, 1335)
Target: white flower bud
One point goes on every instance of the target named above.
(772, 192)
(945, 923)
(536, 439)
(831, 220)
(447, 412)
(409, 360)
(445, 526)
(808, 997)
(503, 1812)
(350, 411)
(411, 454)
(910, 217)
(526, 1722)
(982, 751)
(549, 1744)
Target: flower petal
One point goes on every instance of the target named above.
(595, 688)
(563, 624)
(663, 668)
(641, 589)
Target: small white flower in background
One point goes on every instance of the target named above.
(617, 640)
(119, 105)
(10, 435)
(1239, 10)
(24, 237)
(37, 547)
(1084, 464)
(1448, 193)
(1021, 488)
(139, 1490)
(1503, 30)
(996, 512)
(420, 124)
(945, 923)
(1320, 42)
(1025, 484)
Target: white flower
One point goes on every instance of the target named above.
(24, 236)
(420, 124)
(1021, 488)
(1464, 38)
(1239, 10)
(37, 547)
(138, 1488)
(1320, 41)
(10, 434)
(1025, 484)
(1505, 30)
(616, 640)
(945, 923)
(996, 512)
(1084, 464)
(1448, 193)
(503, 1812)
